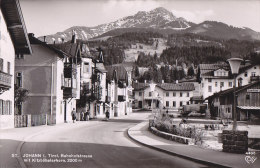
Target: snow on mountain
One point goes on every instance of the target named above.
(159, 18)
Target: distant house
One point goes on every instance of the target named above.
(168, 95)
(13, 42)
(217, 77)
(119, 80)
(248, 103)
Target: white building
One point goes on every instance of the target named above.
(217, 77)
(168, 95)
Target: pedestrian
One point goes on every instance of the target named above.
(87, 115)
(107, 115)
(73, 114)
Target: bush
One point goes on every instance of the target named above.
(163, 123)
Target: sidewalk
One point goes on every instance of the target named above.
(141, 134)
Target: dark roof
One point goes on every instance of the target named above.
(13, 16)
(121, 72)
(34, 40)
(177, 87)
(231, 90)
(167, 86)
(139, 86)
(71, 49)
(207, 70)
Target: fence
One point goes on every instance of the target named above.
(33, 120)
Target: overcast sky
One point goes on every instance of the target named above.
(43, 17)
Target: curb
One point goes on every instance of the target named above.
(176, 154)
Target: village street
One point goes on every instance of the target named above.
(104, 143)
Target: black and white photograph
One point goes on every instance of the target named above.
(129, 83)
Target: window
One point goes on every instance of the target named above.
(253, 74)
(202, 85)
(5, 107)
(150, 94)
(230, 84)
(209, 88)
(180, 94)
(19, 79)
(140, 93)
(86, 67)
(1, 64)
(174, 94)
(216, 84)
(245, 74)
(188, 103)
(167, 94)
(210, 80)
(174, 103)
(181, 103)
(188, 94)
(167, 103)
(221, 84)
(8, 67)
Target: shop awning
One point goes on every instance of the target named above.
(249, 107)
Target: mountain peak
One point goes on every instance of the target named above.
(160, 9)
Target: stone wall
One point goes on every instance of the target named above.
(235, 141)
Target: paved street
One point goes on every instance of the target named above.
(104, 143)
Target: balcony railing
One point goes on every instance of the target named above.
(254, 78)
(121, 98)
(5, 81)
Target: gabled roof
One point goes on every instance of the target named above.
(71, 49)
(121, 72)
(13, 16)
(34, 40)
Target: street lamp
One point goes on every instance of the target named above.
(152, 87)
(234, 64)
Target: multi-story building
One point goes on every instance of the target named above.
(217, 77)
(41, 73)
(13, 41)
(119, 79)
(71, 75)
(247, 103)
(168, 95)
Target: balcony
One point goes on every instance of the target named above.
(108, 99)
(70, 70)
(69, 92)
(254, 78)
(5, 81)
(121, 98)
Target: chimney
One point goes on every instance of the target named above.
(162, 81)
(44, 39)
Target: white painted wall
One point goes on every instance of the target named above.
(7, 53)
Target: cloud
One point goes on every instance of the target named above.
(196, 16)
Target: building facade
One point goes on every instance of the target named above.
(165, 95)
(13, 41)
